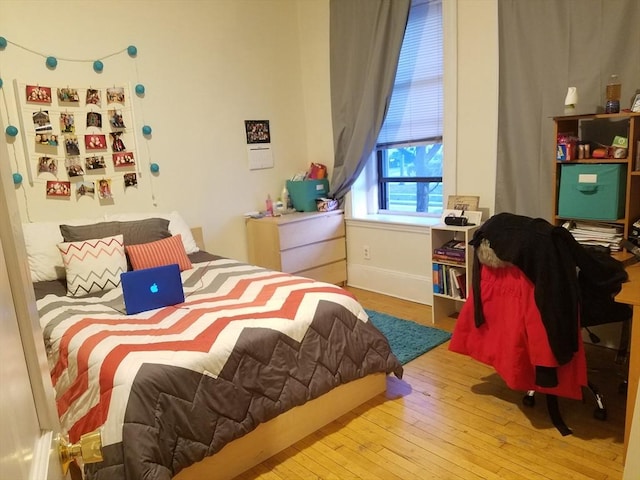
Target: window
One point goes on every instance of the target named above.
(410, 145)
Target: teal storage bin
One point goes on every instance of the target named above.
(593, 191)
(304, 193)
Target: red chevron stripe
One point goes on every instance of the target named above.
(236, 292)
(97, 415)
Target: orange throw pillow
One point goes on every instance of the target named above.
(156, 254)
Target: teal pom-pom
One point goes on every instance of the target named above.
(11, 131)
(140, 89)
(0, 83)
(52, 62)
(17, 179)
(3, 42)
(146, 130)
(98, 66)
(154, 167)
(132, 50)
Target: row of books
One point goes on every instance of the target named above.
(449, 280)
(453, 251)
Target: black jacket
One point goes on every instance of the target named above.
(568, 279)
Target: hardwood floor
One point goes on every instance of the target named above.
(451, 417)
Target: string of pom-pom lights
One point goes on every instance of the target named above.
(98, 66)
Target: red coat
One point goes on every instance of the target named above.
(513, 340)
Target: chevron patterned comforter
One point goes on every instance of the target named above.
(171, 386)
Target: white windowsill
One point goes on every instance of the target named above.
(406, 223)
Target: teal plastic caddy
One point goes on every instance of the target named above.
(304, 193)
(592, 191)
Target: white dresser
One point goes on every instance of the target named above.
(307, 244)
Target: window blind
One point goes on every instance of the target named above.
(415, 110)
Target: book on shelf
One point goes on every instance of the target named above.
(447, 259)
(453, 251)
(436, 278)
(449, 280)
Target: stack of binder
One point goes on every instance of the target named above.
(593, 234)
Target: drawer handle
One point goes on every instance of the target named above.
(587, 188)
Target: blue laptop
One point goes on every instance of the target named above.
(151, 288)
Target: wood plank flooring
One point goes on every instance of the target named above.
(451, 417)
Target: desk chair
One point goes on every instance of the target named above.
(532, 286)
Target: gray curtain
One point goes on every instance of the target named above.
(365, 41)
(547, 46)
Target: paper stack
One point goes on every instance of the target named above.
(604, 235)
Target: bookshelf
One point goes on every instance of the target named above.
(587, 197)
(446, 299)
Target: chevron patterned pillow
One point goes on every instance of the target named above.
(93, 265)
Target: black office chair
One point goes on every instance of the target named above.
(574, 286)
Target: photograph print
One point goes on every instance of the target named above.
(71, 146)
(85, 189)
(95, 162)
(123, 159)
(38, 94)
(67, 123)
(41, 121)
(115, 95)
(68, 95)
(93, 97)
(47, 165)
(95, 142)
(56, 188)
(257, 131)
(115, 118)
(94, 119)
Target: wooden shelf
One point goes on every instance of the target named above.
(600, 128)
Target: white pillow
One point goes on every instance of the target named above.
(41, 238)
(177, 225)
(93, 265)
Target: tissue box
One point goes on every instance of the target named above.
(304, 193)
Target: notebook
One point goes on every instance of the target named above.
(151, 288)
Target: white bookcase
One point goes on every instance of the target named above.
(446, 303)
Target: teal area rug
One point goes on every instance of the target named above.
(408, 339)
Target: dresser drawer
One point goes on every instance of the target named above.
(335, 273)
(313, 255)
(311, 230)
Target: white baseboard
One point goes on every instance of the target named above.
(415, 288)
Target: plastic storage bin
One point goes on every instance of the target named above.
(592, 191)
(304, 193)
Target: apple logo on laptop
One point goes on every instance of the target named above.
(154, 288)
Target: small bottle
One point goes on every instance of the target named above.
(279, 208)
(286, 200)
(269, 204)
(614, 90)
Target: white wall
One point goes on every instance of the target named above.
(232, 60)
(207, 66)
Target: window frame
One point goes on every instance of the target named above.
(382, 180)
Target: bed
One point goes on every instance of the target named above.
(251, 362)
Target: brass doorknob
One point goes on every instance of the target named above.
(89, 448)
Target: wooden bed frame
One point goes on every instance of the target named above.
(283, 431)
(286, 429)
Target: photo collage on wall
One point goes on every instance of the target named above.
(82, 140)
